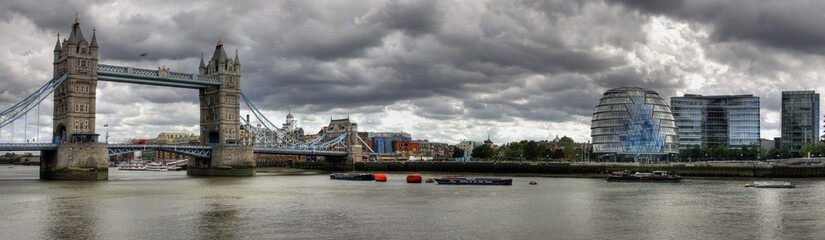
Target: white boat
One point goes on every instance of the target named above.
(771, 184)
(132, 166)
(153, 166)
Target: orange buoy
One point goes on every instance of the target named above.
(380, 178)
(533, 183)
(429, 180)
(413, 178)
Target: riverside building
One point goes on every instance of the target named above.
(633, 124)
(708, 121)
(800, 119)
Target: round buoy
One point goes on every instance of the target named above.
(429, 180)
(747, 185)
(380, 178)
(413, 178)
(533, 183)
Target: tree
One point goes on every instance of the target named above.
(458, 152)
(532, 150)
(558, 154)
(719, 152)
(572, 153)
(483, 152)
(566, 139)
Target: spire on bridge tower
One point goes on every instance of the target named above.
(202, 68)
(237, 62)
(94, 38)
(76, 20)
(57, 45)
(219, 41)
(77, 35)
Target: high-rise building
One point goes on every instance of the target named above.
(708, 121)
(633, 124)
(800, 119)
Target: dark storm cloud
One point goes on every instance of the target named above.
(49, 15)
(794, 25)
(497, 61)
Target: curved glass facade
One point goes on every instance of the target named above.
(633, 124)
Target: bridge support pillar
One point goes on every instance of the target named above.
(75, 161)
(230, 161)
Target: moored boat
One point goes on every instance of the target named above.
(771, 184)
(352, 176)
(474, 181)
(655, 176)
(157, 167)
(132, 166)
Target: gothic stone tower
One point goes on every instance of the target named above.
(78, 156)
(220, 126)
(220, 105)
(74, 99)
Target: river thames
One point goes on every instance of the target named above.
(172, 205)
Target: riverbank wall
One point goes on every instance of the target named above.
(693, 170)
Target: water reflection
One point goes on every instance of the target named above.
(70, 213)
(219, 218)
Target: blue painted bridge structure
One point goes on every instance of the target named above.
(196, 151)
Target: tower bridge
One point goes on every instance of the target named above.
(74, 152)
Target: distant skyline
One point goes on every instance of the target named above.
(440, 70)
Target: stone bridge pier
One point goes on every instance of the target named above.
(229, 161)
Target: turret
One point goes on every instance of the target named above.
(93, 45)
(237, 62)
(219, 59)
(202, 68)
(57, 49)
(76, 36)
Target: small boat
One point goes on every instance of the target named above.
(771, 184)
(474, 181)
(157, 167)
(655, 176)
(353, 176)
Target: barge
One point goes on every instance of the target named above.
(474, 181)
(352, 176)
(655, 176)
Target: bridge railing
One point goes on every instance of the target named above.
(155, 73)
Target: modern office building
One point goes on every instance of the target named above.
(382, 142)
(800, 119)
(633, 124)
(708, 121)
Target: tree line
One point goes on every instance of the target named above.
(527, 150)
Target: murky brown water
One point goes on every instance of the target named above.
(171, 205)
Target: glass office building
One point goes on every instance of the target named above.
(708, 121)
(633, 124)
(800, 119)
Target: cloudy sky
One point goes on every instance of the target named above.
(440, 70)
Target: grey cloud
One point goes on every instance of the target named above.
(787, 25)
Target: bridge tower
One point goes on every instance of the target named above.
(220, 124)
(354, 149)
(78, 154)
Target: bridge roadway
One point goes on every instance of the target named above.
(199, 151)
